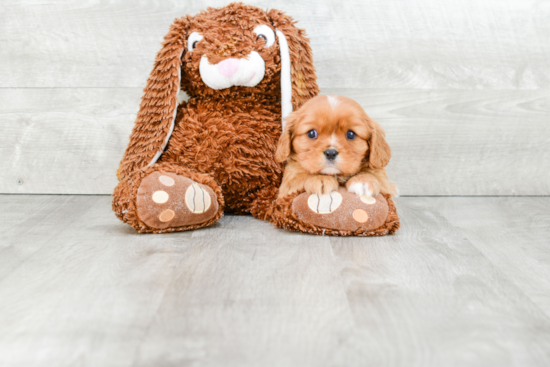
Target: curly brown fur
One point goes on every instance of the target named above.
(224, 137)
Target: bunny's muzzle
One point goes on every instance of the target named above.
(247, 72)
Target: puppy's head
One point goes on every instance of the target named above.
(333, 135)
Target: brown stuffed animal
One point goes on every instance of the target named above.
(244, 70)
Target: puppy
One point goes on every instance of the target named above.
(330, 141)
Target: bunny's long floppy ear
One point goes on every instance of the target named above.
(298, 79)
(157, 112)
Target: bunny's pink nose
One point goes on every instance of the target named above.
(228, 67)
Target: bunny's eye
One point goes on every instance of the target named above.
(266, 33)
(192, 41)
(312, 134)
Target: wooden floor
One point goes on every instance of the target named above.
(465, 282)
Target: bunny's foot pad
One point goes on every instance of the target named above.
(167, 200)
(339, 213)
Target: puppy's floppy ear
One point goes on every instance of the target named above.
(285, 141)
(298, 79)
(379, 153)
(157, 112)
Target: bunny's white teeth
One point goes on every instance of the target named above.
(247, 72)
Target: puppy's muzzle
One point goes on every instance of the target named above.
(331, 154)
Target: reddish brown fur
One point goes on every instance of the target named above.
(359, 160)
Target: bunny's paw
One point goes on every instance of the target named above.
(341, 210)
(166, 200)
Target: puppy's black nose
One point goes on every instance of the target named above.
(331, 154)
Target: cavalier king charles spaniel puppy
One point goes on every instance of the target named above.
(330, 141)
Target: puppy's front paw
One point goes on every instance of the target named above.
(361, 185)
(321, 185)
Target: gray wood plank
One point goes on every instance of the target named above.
(64, 141)
(85, 297)
(466, 44)
(461, 283)
(279, 304)
(26, 228)
(431, 295)
(528, 225)
(444, 142)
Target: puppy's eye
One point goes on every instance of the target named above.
(261, 37)
(195, 44)
(312, 134)
(350, 135)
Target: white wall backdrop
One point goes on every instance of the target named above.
(462, 88)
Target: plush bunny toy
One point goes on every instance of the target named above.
(245, 70)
